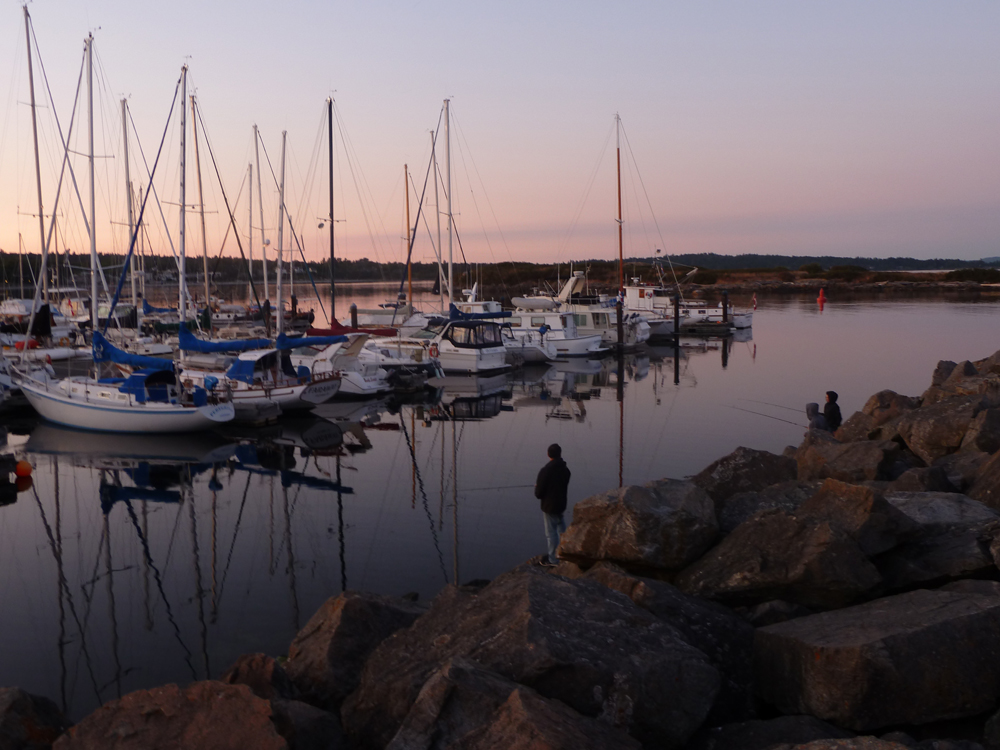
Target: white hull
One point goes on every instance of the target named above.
(473, 361)
(529, 351)
(249, 401)
(89, 411)
(360, 386)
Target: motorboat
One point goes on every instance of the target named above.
(592, 314)
(658, 301)
(557, 328)
(359, 378)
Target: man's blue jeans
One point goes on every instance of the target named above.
(554, 526)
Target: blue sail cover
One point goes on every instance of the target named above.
(191, 343)
(284, 342)
(148, 309)
(242, 369)
(105, 351)
(455, 314)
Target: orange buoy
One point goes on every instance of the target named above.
(822, 295)
(23, 469)
(23, 483)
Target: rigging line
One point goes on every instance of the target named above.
(365, 209)
(413, 235)
(63, 142)
(586, 195)
(426, 503)
(367, 195)
(43, 258)
(225, 237)
(628, 147)
(489, 203)
(232, 219)
(64, 584)
(761, 414)
(159, 586)
(768, 403)
(142, 212)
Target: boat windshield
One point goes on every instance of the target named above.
(429, 332)
(475, 334)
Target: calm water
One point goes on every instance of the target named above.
(139, 561)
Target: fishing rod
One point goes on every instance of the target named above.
(768, 403)
(760, 414)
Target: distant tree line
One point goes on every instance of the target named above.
(714, 261)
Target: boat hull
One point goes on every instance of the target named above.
(137, 418)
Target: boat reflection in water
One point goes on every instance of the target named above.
(136, 561)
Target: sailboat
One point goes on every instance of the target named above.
(150, 399)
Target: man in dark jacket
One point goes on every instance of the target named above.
(831, 411)
(550, 488)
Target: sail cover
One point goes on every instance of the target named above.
(191, 343)
(148, 309)
(105, 351)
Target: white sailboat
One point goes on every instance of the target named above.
(150, 399)
(358, 378)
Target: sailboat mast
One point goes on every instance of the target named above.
(621, 264)
(437, 212)
(182, 281)
(128, 200)
(201, 203)
(281, 226)
(38, 169)
(93, 198)
(409, 265)
(250, 227)
(447, 156)
(260, 201)
(333, 288)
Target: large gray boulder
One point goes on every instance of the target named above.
(937, 558)
(934, 431)
(663, 525)
(574, 641)
(983, 433)
(718, 632)
(861, 511)
(985, 486)
(777, 555)
(204, 714)
(763, 734)
(262, 674)
(878, 419)
(913, 658)
(326, 657)
(821, 456)
(962, 468)
(743, 506)
(935, 512)
(744, 470)
(28, 722)
(465, 706)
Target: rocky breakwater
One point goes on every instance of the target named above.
(849, 586)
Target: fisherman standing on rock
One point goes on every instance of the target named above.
(550, 488)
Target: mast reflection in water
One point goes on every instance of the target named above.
(139, 561)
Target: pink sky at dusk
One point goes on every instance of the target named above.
(845, 128)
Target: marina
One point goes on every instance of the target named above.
(133, 561)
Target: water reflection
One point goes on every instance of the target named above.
(141, 560)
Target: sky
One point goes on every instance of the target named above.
(847, 128)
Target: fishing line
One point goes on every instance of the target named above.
(768, 403)
(760, 414)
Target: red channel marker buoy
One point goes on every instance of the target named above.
(23, 469)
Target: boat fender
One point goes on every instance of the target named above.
(434, 350)
(210, 383)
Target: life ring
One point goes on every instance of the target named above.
(64, 341)
(434, 351)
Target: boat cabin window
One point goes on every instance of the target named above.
(475, 335)
(514, 321)
(580, 319)
(537, 321)
(600, 320)
(429, 332)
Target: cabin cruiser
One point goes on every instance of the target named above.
(557, 328)
(358, 378)
(592, 314)
(658, 301)
(522, 345)
(462, 345)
